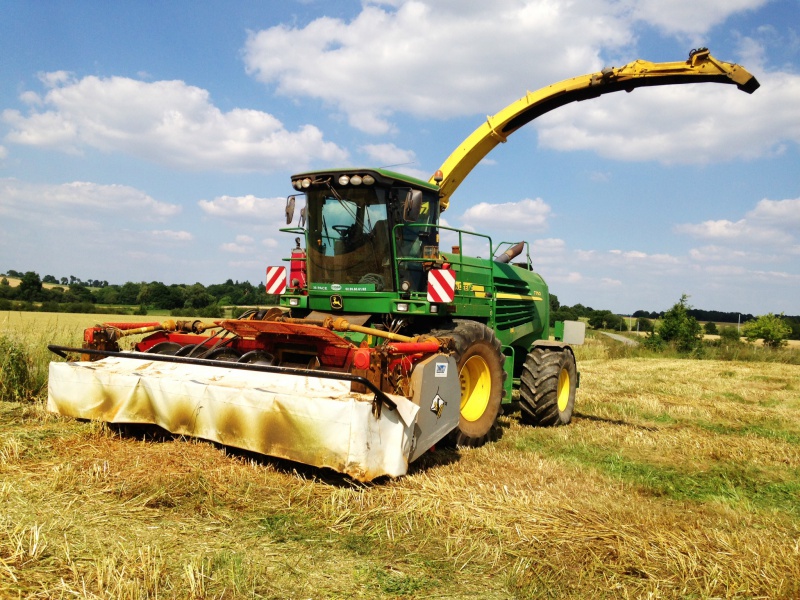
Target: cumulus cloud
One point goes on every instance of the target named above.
(371, 67)
(25, 200)
(171, 236)
(390, 156)
(168, 122)
(525, 215)
(234, 247)
(778, 213)
(245, 244)
(723, 124)
(688, 17)
(771, 222)
(246, 208)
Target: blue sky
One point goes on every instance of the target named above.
(145, 141)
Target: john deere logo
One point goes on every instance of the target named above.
(336, 302)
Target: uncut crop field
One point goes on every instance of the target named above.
(676, 479)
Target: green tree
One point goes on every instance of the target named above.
(710, 328)
(197, 296)
(605, 319)
(554, 303)
(679, 328)
(770, 328)
(30, 287)
(80, 293)
(129, 293)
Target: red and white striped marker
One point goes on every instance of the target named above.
(441, 285)
(276, 280)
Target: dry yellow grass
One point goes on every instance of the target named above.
(677, 478)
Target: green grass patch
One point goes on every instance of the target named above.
(730, 483)
(774, 430)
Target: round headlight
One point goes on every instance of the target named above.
(344, 180)
(355, 180)
(306, 183)
(296, 184)
(368, 179)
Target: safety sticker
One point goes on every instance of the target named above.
(437, 405)
(441, 370)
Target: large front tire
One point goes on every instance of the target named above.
(547, 387)
(480, 368)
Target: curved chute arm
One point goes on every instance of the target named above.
(701, 67)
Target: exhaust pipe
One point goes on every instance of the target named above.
(511, 253)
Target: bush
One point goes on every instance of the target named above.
(710, 328)
(729, 335)
(213, 311)
(16, 380)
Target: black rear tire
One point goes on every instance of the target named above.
(547, 387)
(480, 367)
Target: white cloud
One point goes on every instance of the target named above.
(771, 223)
(234, 247)
(26, 200)
(172, 236)
(394, 158)
(688, 17)
(527, 214)
(371, 68)
(245, 244)
(247, 208)
(784, 214)
(653, 124)
(3, 152)
(168, 122)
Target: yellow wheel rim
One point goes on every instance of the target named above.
(476, 387)
(563, 390)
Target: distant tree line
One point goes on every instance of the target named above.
(644, 320)
(84, 296)
(702, 315)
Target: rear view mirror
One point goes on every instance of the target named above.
(289, 209)
(303, 217)
(412, 206)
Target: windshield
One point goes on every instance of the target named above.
(349, 239)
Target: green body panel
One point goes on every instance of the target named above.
(510, 299)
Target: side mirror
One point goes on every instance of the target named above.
(303, 217)
(289, 209)
(412, 206)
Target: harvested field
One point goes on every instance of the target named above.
(677, 478)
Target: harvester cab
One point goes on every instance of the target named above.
(370, 235)
(383, 344)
